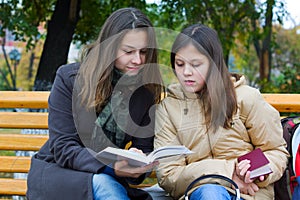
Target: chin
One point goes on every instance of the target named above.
(132, 73)
(190, 89)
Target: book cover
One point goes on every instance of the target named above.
(258, 161)
(111, 154)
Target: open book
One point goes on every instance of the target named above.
(111, 154)
(259, 163)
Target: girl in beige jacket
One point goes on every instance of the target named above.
(220, 118)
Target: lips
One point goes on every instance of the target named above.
(189, 82)
(133, 68)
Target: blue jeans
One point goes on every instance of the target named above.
(106, 187)
(211, 192)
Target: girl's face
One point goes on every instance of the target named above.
(191, 68)
(131, 54)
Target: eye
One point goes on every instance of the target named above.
(127, 51)
(179, 63)
(196, 65)
(143, 51)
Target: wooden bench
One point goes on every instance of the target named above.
(11, 124)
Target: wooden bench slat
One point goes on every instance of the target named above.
(19, 164)
(24, 99)
(33, 99)
(9, 186)
(23, 120)
(22, 142)
(284, 102)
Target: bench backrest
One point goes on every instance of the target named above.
(14, 117)
(12, 122)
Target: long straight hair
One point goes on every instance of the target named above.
(218, 94)
(97, 59)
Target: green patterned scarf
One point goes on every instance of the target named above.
(114, 116)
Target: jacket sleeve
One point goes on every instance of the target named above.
(264, 128)
(65, 143)
(174, 176)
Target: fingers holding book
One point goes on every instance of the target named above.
(123, 169)
(245, 184)
(242, 168)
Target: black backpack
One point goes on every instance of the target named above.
(285, 186)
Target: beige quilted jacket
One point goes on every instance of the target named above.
(179, 121)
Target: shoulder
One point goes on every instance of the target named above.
(250, 100)
(66, 74)
(68, 70)
(246, 95)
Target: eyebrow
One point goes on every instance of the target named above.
(132, 47)
(193, 60)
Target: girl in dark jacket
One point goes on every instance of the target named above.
(102, 101)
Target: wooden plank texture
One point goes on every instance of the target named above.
(24, 99)
(22, 142)
(23, 120)
(19, 164)
(284, 102)
(10, 186)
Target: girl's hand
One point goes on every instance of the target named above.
(242, 168)
(136, 150)
(245, 188)
(122, 169)
(243, 173)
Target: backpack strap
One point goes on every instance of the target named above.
(296, 151)
(190, 186)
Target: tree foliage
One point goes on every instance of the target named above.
(249, 22)
(286, 60)
(24, 17)
(94, 13)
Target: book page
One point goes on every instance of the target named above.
(110, 155)
(168, 151)
(260, 171)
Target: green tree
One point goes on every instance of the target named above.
(286, 60)
(226, 17)
(23, 18)
(63, 24)
(60, 30)
(250, 21)
(262, 23)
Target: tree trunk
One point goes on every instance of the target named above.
(262, 43)
(31, 61)
(265, 53)
(60, 30)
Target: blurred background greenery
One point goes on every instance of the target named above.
(252, 33)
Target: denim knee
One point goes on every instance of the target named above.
(107, 187)
(210, 192)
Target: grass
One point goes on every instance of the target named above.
(6, 130)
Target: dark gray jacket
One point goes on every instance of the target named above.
(64, 166)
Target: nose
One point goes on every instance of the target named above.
(187, 71)
(137, 58)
